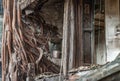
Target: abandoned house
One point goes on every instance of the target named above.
(60, 40)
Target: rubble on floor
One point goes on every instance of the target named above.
(73, 74)
(85, 68)
(90, 73)
(81, 71)
(87, 73)
(99, 73)
(48, 76)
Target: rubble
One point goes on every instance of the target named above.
(99, 73)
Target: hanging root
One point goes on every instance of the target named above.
(24, 40)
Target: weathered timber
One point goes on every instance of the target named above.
(88, 36)
(78, 57)
(68, 36)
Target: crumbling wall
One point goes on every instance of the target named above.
(112, 10)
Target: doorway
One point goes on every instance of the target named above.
(94, 43)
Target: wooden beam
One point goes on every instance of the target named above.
(68, 36)
(79, 33)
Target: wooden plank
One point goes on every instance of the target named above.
(72, 34)
(66, 33)
(78, 57)
(68, 36)
(65, 39)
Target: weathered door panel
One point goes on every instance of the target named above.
(88, 29)
(87, 47)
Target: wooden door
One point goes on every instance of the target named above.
(77, 34)
(84, 36)
(88, 31)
